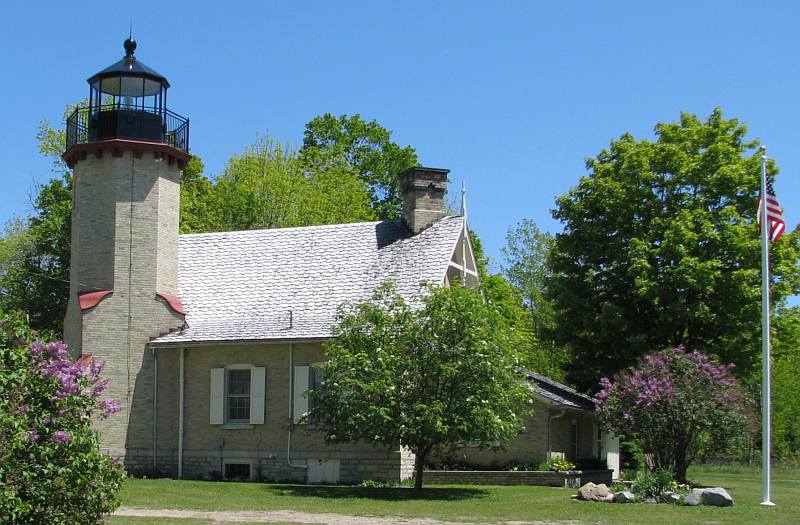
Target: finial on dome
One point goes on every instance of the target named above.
(130, 47)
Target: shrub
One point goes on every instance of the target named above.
(674, 404)
(653, 484)
(51, 467)
(560, 464)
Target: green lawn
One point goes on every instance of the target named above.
(469, 503)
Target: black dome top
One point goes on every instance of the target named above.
(129, 67)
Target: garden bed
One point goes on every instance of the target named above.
(570, 478)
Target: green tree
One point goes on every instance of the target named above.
(430, 378)
(786, 384)
(365, 148)
(660, 248)
(525, 265)
(199, 206)
(507, 298)
(267, 187)
(34, 276)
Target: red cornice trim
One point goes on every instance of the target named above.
(77, 152)
(88, 300)
(173, 302)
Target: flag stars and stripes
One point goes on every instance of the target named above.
(777, 226)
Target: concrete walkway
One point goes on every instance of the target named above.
(305, 518)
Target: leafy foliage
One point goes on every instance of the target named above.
(654, 484)
(672, 404)
(525, 265)
(51, 467)
(34, 270)
(660, 248)
(269, 187)
(786, 384)
(364, 148)
(437, 376)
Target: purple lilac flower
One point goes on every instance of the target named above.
(33, 436)
(36, 350)
(60, 436)
(109, 406)
(99, 387)
(23, 409)
(47, 420)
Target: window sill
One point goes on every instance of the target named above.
(236, 426)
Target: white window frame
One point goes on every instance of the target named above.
(303, 384)
(228, 395)
(219, 396)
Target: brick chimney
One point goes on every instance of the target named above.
(423, 192)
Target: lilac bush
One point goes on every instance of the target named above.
(51, 467)
(673, 404)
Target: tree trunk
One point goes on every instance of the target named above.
(419, 467)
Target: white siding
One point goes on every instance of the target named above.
(217, 396)
(257, 380)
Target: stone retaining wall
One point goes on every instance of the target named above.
(573, 479)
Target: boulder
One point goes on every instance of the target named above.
(608, 499)
(600, 492)
(694, 498)
(586, 492)
(649, 501)
(624, 497)
(717, 497)
(671, 497)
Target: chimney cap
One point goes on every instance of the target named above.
(416, 169)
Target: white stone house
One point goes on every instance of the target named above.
(210, 339)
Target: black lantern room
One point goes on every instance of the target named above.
(128, 100)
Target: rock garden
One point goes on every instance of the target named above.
(652, 488)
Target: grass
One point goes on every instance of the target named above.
(471, 503)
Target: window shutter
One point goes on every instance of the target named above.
(300, 401)
(217, 395)
(257, 380)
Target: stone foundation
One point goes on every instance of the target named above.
(573, 479)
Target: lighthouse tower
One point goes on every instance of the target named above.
(126, 149)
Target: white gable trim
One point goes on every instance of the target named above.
(455, 246)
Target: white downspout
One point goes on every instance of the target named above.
(155, 410)
(550, 433)
(291, 410)
(180, 413)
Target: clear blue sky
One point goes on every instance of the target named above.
(510, 96)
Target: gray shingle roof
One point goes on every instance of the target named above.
(558, 393)
(240, 286)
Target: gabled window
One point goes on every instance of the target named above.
(237, 395)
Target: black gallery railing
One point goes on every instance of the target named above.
(116, 121)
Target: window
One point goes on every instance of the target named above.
(237, 471)
(573, 445)
(306, 379)
(237, 395)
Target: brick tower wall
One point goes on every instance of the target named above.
(125, 239)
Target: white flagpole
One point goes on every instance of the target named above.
(766, 440)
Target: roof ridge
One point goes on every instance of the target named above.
(553, 382)
(264, 230)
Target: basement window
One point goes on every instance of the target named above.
(237, 471)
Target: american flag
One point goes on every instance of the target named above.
(774, 214)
